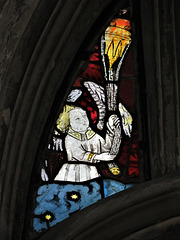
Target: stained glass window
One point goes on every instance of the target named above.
(92, 151)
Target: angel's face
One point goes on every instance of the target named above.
(79, 121)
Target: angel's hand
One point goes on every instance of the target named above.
(113, 123)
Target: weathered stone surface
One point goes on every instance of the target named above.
(41, 46)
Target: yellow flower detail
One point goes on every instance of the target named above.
(48, 217)
(115, 170)
(74, 196)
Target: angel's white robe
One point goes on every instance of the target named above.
(83, 148)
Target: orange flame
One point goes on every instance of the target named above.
(117, 37)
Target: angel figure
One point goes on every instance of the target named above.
(84, 146)
(79, 182)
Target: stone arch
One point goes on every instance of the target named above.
(40, 65)
(32, 77)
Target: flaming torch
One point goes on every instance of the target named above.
(114, 45)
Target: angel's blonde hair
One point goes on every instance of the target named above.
(63, 119)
